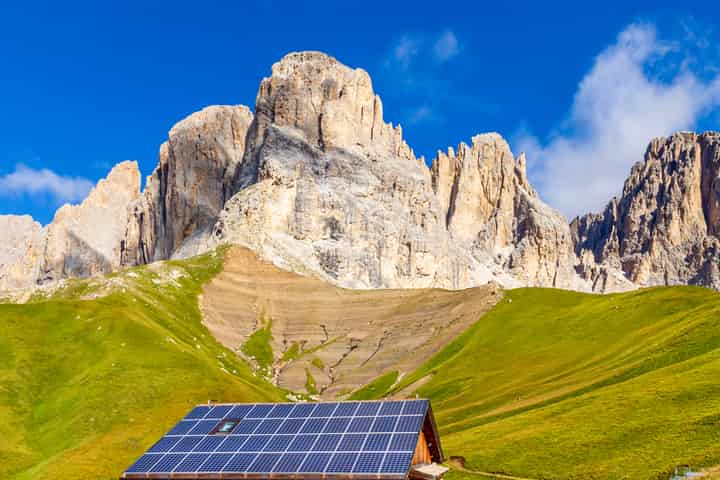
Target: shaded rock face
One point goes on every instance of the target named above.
(664, 228)
(327, 187)
(21, 251)
(86, 239)
(190, 185)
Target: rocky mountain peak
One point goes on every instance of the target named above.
(329, 104)
(663, 229)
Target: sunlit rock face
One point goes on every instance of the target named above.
(663, 229)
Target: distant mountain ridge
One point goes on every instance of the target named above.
(318, 183)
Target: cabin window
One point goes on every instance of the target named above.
(226, 426)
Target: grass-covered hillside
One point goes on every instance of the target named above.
(88, 381)
(556, 384)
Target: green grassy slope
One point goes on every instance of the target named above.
(87, 385)
(555, 384)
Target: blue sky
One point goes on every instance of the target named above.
(580, 88)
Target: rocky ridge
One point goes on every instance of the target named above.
(664, 228)
(319, 183)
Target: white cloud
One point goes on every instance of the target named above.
(446, 47)
(405, 51)
(26, 180)
(618, 108)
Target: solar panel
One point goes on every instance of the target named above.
(219, 412)
(375, 438)
(341, 463)
(396, 462)
(240, 462)
(315, 463)
(289, 463)
(368, 462)
(215, 462)
(167, 463)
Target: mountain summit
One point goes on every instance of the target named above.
(318, 183)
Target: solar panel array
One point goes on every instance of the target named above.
(285, 439)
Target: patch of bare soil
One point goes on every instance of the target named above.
(344, 338)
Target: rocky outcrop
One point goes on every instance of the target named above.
(327, 187)
(86, 239)
(21, 251)
(319, 183)
(490, 207)
(664, 228)
(188, 189)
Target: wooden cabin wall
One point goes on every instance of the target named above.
(422, 451)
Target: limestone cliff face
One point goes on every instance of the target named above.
(21, 251)
(664, 228)
(190, 185)
(490, 207)
(328, 187)
(86, 239)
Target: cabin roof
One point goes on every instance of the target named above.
(356, 439)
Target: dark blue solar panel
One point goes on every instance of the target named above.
(341, 463)
(239, 411)
(404, 442)
(191, 462)
(324, 410)
(377, 442)
(186, 444)
(360, 424)
(368, 462)
(315, 462)
(314, 425)
(367, 409)
(302, 443)
(302, 410)
(232, 443)
(351, 442)
(259, 411)
(240, 462)
(203, 427)
(269, 426)
(209, 444)
(291, 425)
(255, 443)
(410, 423)
(164, 445)
(391, 408)
(384, 424)
(219, 411)
(215, 462)
(197, 413)
(264, 462)
(327, 443)
(144, 463)
(415, 407)
(168, 463)
(281, 410)
(182, 428)
(396, 463)
(278, 443)
(289, 463)
(337, 425)
(346, 409)
(246, 426)
(370, 438)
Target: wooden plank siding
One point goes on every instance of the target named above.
(422, 453)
